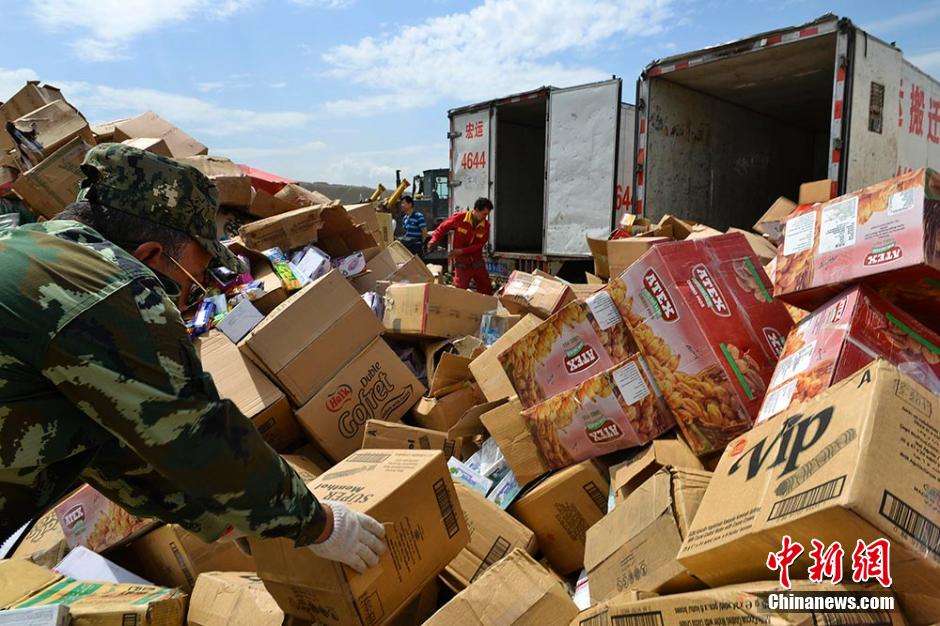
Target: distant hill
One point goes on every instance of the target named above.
(347, 194)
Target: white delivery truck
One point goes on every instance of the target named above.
(722, 132)
(557, 164)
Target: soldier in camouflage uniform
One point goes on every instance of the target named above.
(99, 381)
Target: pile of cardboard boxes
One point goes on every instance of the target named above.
(628, 450)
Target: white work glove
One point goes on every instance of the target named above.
(356, 539)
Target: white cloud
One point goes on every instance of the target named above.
(499, 47)
(12, 80)
(900, 21)
(209, 86)
(927, 61)
(325, 4)
(110, 25)
(251, 153)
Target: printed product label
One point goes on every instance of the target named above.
(902, 201)
(777, 400)
(800, 233)
(630, 383)
(794, 364)
(604, 310)
(838, 226)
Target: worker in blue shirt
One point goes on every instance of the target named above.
(414, 225)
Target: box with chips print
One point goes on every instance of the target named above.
(703, 316)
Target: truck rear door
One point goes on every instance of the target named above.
(471, 140)
(581, 156)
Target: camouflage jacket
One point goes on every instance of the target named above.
(99, 382)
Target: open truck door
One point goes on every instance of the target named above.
(581, 165)
(471, 157)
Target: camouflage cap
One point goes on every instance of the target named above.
(158, 189)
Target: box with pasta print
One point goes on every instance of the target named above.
(617, 409)
(702, 315)
(90, 519)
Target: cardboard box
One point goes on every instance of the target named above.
(373, 385)
(306, 465)
(517, 591)
(150, 144)
(616, 409)
(434, 311)
(817, 191)
(50, 127)
(442, 413)
(83, 564)
(420, 608)
(855, 463)
(528, 293)
(771, 222)
(44, 543)
(20, 579)
(30, 97)
(104, 133)
(703, 316)
(53, 184)
(261, 269)
(89, 519)
(299, 197)
(57, 615)
(394, 264)
(844, 335)
(150, 124)
(736, 604)
(493, 534)
(241, 381)
(386, 229)
(326, 225)
(171, 556)
(447, 371)
(263, 204)
(469, 432)
(486, 369)
(393, 435)
(510, 429)
(576, 343)
(762, 247)
(662, 453)
(232, 599)
(233, 185)
(560, 508)
(635, 545)
(310, 336)
(885, 235)
(612, 257)
(412, 494)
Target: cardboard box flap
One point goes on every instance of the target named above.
(509, 428)
(451, 370)
(235, 377)
(471, 424)
(21, 579)
(486, 368)
(150, 124)
(667, 452)
(30, 97)
(232, 598)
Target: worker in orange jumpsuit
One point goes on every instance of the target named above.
(471, 232)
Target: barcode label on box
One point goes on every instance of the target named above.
(837, 227)
(871, 618)
(595, 620)
(800, 233)
(911, 523)
(369, 457)
(448, 516)
(630, 383)
(807, 499)
(449, 448)
(599, 499)
(498, 550)
(653, 618)
(604, 310)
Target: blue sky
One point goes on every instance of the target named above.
(349, 90)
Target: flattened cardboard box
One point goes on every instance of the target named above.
(434, 311)
(561, 508)
(174, 557)
(856, 462)
(310, 336)
(486, 369)
(885, 234)
(241, 381)
(528, 293)
(665, 452)
(493, 534)
(734, 605)
(510, 429)
(373, 385)
(411, 493)
(52, 185)
(394, 435)
(326, 225)
(517, 591)
(844, 335)
(232, 599)
(635, 545)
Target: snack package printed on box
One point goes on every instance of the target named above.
(89, 519)
(735, 605)
(434, 311)
(579, 341)
(485, 367)
(635, 545)
(374, 384)
(310, 336)
(517, 591)
(841, 337)
(241, 381)
(613, 410)
(560, 508)
(393, 435)
(232, 599)
(703, 316)
(528, 293)
(493, 534)
(411, 493)
(855, 463)
(886, 235)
